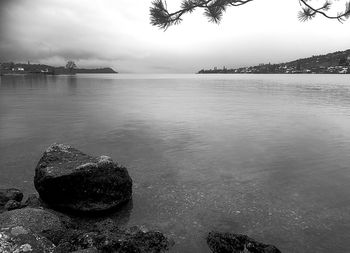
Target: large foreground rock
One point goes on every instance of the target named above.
(236, 243)
(38, 230)
(38, 221)
(20, 239)
(66, 178)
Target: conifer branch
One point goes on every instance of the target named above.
(309, 12)
(214, 10)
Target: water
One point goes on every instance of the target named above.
(263, 155)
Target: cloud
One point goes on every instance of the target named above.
(118, 34)
(41, 29)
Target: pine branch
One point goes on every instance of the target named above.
(214, 10)
(309, 12)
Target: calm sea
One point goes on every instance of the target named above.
(263, 155)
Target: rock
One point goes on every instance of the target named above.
(105, 236)
(10, 194)
(12, 205)
(38, 221)
(90, 250)
(124, 241)
(20, 239)
(64, 247)
(68, 179)
(236, 243)
(33, 201)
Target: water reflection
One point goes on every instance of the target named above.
(120, 216)
(72, 84)
(262, 155)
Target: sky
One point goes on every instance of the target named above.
(118, 34)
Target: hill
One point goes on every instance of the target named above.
(96, 71)
(332, 63)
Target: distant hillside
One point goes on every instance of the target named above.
(98, 70)
(332, 63)
(27, 68)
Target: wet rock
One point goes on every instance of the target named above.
(10, 194)
(38, 221)
(105, 236)
(68, 179)
(33, 201)
(236, 243)
(64, 247)
(91, 250)
(20, 239)
(124, 241)
(12, 205)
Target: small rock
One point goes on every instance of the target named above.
(68, 179)
(12, 205)
(236, 243)
(10, 194)
(33, 201)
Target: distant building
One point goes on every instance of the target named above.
(343, 71)
(18, 69)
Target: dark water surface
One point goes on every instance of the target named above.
(263, 155)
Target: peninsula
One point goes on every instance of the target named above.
(28, 68)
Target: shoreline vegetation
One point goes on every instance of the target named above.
(10, 68)
(332, 63)
(72, 212)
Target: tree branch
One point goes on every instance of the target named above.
(309, 12)
(214, 10)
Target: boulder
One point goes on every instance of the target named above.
(38, 221)
(68, 179)
(10, 194)
(20, 239)
(236, 243)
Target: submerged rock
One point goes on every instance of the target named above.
(38, 221)
(107, 237)
(10, 194)
(20, 239)
(91, 250)
(68, 179)
(236, 243)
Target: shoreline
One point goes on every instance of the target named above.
(78, 194)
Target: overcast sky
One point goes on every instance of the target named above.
(117, 33)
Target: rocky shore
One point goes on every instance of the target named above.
(73, 186)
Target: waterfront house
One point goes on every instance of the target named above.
(343, 71)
